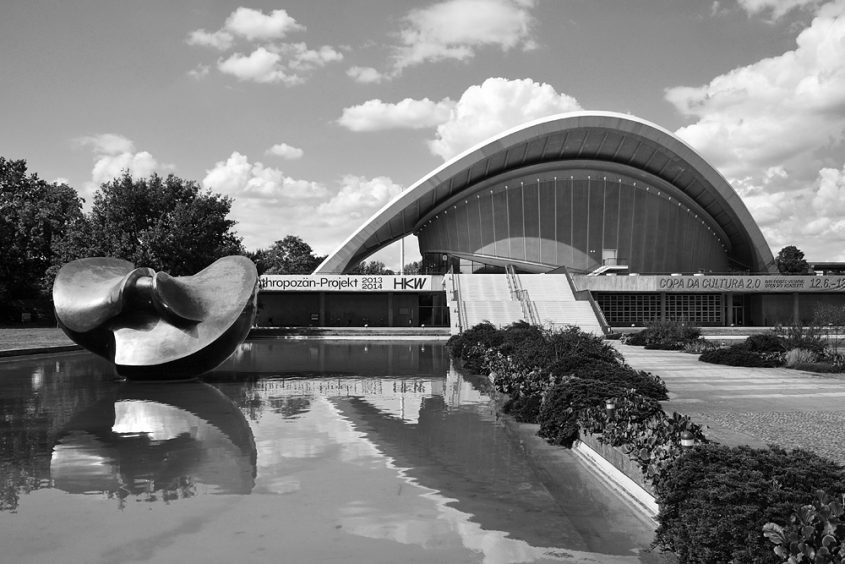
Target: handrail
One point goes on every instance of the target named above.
(586, 295)
(521, 294)
(456, 295)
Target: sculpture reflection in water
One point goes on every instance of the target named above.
(151, 325)
(157, 442)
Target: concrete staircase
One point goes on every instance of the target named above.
(501, 299)
(474, 298)
(556, 305)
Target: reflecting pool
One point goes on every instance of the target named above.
(292, 451)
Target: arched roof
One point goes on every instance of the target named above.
(606, 137)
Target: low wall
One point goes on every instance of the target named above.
(617, 468)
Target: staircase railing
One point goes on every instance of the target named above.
(586, 295)
(456, 297)
(529, 311)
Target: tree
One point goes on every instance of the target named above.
(374, 268)
(35, 217)
(413, 267)
(167, 224)
(790, 260)
(290, 255)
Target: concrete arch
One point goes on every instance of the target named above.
(607, 143)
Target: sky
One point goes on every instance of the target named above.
(313, 114)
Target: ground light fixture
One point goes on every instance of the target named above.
(687, 440)
(610, 407)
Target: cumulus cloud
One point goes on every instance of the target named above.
(283, 63)
(268, 60)
(286, 151)
(114, 154)
(776, 8)
(482, 111)
(253, 24)
(772, 126)
(374, 115)
(259, 66)
(358, 199)
(493, 107)
(238, 177)
(248, 24)
(456, 29)
(365, 75)
(220, 39)
(199, 72)
(269, 205)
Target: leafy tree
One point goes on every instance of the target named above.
(167, 224)
(290, 255)
(790, 260)
(34, 218)
(373, 268)
(413, 267)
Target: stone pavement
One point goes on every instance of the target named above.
(752, 406)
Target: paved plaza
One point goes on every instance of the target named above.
(752, 406)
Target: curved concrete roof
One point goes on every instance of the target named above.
(607, 137)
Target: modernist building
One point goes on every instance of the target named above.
(572, 190)
(616, 202)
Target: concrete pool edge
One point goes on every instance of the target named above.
(618, 479)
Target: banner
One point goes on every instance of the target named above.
(344, 283)
(762, 284)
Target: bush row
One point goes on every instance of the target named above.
(813, 348)
(717, 504)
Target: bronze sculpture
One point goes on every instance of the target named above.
(152, 325)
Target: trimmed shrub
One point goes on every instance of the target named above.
(624, 376)
(767, 342)
(715, 500)
(667, 334)
(738, 355)
(524, 409)
(563, 404)
(485, 333)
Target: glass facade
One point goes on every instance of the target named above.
(639, 309)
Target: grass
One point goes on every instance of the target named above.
(32, 337)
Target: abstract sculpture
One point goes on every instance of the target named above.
(152, 325)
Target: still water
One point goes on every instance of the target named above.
(292, 451)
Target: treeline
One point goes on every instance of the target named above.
(167, 223)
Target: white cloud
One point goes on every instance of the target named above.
(271, 60)
(239, 178)
(259, 66)
(107, 143)
(286, 151)
(253, 24)
(114, 154)
(220, 39)
(772, 126)
(249, 24)
(456, 29)
(493, 107)
(777, 8)
(199, 72)
(365, 75)
(358, 199)
(269, 205)
(282, 63)
(374, 115)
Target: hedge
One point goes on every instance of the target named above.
(717, 504)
